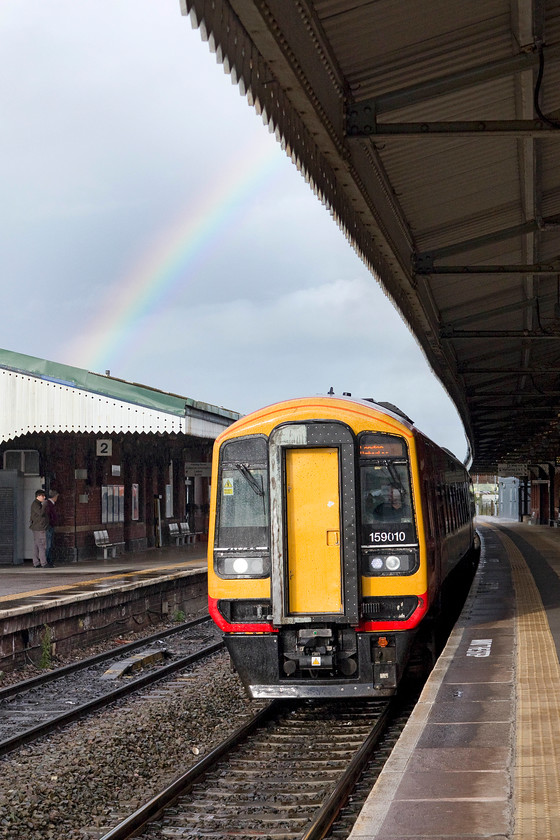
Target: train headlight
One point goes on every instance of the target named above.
(246, 567)
(401, 563)
(240, 566)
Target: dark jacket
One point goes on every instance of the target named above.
(38, 517)
(51, 513)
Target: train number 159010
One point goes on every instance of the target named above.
(387, 536)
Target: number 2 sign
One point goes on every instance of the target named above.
(104, 447)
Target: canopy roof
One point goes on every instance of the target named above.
(41, 396)
(431, 131)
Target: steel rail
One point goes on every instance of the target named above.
(64, 670)
(35, 732)
(136, 821)
(326, 814)
(338, 798)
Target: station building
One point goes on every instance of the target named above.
(528, 493)
(123, 457)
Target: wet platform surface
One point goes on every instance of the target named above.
(26, 586)
(480, 755)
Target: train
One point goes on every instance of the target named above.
(334, 525)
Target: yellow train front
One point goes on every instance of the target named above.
(334, 523)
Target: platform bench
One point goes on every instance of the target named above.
(102, 541)
(188, 535)
(175, 534)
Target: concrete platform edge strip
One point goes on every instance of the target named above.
(375, 810)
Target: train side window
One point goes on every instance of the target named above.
(453, 494)
(439, 510)
(464, 506)
(430, 495)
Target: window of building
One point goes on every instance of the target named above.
(24, 460)
(112, 503)
(169, 493)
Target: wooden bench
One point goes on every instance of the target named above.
(188, 535)
(175, 534)
(102, 541)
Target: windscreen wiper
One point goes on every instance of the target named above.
(395, 479)
(248, 475)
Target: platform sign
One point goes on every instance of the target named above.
(513, 470)
(197, 469)
(104, 447)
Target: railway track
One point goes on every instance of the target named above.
(35, 707)
(285, 774)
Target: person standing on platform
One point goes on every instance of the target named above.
(39, 522)
(51, 513)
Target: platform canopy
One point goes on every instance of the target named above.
(431, 130)
(41, 396)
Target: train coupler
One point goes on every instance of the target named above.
(316, 650)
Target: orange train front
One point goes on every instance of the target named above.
(333, 525)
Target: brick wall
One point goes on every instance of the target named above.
(71, 465)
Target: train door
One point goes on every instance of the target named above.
(314, 565)
(313, 524)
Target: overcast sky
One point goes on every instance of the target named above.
(151, 226)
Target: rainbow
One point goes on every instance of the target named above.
(162, 270)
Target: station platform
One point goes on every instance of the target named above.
(480, 755)
(46, 613)
(27, 585)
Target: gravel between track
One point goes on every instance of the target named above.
(70, 785)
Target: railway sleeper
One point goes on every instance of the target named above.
(243, 809)
(241, 766)
(281, 787)
(281, 798)
(284, 754)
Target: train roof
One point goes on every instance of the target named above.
(386, 408)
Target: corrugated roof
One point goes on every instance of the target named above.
(416, 124)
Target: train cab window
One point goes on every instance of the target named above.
(243, 509)
(386, 493)
(386, 498)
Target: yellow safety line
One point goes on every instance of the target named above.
(537, 775)
(61, 587)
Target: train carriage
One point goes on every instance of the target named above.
(334, 523)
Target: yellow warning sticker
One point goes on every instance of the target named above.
(316, 660)
(228, 487)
